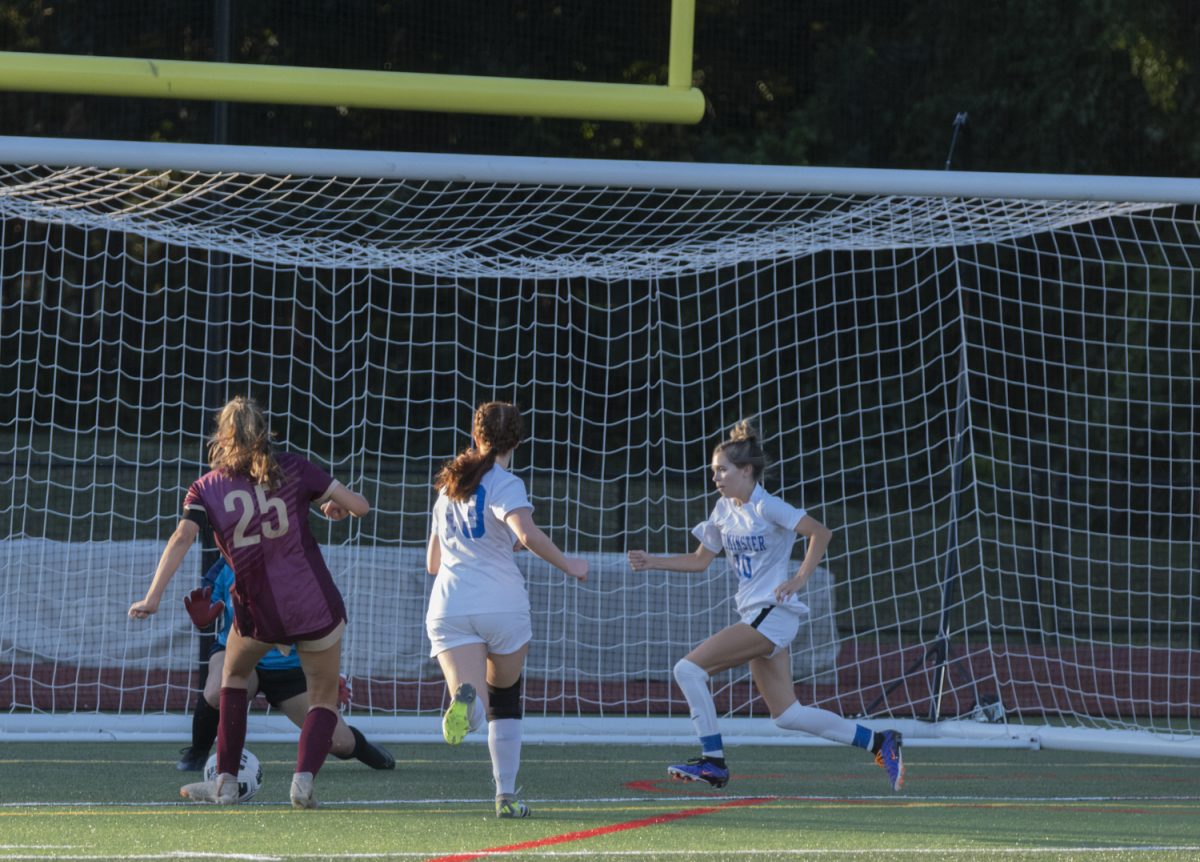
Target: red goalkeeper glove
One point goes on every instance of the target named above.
(343, 692)
(201, 608)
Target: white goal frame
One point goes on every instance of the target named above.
(878, 185)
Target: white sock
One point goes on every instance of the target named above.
(819, 722)
(504, 744)
(476, 717)
(693, 682)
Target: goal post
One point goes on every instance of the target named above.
(983, 384)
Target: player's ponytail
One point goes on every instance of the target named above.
(742, 448)
(241, 445)
(497, 429)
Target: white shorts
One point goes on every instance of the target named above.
(777, 624)
(503, 633)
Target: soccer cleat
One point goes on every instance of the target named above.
(376, 756)
(890, 756)
(191, 759)
(456, 723)
(302, 791)
(508, 806)
(221, 791)
(701, 769)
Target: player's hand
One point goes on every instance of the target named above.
(639, 560)
(518, 546)
(343, 692)
(789, 588)
(333, 511)
(201, 608)
(144, 608)
(577, 567)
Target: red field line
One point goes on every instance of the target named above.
(600, 830)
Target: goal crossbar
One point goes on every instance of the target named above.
(134, 155)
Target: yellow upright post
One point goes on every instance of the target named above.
(683, 33)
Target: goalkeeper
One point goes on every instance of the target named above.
(280, 679)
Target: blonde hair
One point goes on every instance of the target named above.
(742, 448)
(241, 445)
(497, 428)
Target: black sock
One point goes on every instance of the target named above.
(205, 719)
(370, 754)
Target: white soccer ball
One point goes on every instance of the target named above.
(249, 774)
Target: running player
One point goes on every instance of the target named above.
(257, 502)
(478, 620)
(279, 677)
(757, 530)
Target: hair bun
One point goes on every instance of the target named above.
(744, 431)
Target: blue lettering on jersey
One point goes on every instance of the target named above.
(742, 564)
(475, 525)
(735, 543)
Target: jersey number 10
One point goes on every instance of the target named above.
(474, 526)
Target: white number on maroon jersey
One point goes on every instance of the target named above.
(241, 502)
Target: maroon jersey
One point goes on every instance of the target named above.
(282, 591)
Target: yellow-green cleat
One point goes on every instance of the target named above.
(456, 723)
(509, 806)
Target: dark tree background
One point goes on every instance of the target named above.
(1086, 86)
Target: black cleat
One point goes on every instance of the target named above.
(191, 759)
(374, 756)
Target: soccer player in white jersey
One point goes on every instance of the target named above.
(478, 620)
(757, 530)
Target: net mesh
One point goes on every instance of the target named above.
(990, 402)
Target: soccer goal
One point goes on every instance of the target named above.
(984, 384)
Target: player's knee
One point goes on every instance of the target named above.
(689, 671)
(505, 702)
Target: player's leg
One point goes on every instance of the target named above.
(205, 716)
(241, 655)
(773, 679)
(465, 670)
(287, 690)
(321, 661)
(504, 727)
(732, 646)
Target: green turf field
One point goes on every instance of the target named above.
(120, 801)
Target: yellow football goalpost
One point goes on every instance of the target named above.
(677, 102)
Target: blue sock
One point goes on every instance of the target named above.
(863, 737)
(710, 746)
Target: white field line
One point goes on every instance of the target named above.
(627, 800)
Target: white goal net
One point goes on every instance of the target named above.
(988, 392)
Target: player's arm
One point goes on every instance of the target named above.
(818, 536)
(697, 561)
(433, 554)
(168, 565)
(339, 501)
(520, 521)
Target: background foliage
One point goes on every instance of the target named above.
(1089, 86)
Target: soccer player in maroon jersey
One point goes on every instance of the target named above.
(257, 502)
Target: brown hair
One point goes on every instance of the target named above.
(241, 445)
(497, 429)
(741, 448)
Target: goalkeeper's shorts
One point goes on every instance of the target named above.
(281, 684)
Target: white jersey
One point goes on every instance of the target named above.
(478, 573)
(757, 538)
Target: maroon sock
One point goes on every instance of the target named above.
(316, 738)
(231, 730)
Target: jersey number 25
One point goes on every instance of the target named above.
(240, 501)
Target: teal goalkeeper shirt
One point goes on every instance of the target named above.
(220, 577)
